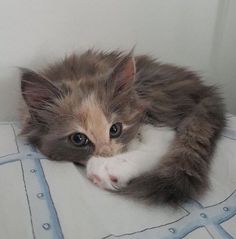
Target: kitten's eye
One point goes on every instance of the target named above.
(79, 139)
(116, 130)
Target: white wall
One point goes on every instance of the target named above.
(33, 33)
(223, 69)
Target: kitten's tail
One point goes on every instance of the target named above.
(183, 172)
(167, 186)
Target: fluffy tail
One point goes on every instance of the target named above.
(184, 170)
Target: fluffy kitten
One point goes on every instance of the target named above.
(95, 103)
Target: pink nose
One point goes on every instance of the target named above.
(104, 150)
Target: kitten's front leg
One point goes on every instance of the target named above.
(114, 173)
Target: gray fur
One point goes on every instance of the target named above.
(161, 94)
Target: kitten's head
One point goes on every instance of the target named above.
(73, 119)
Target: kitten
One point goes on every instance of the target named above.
(96, 104)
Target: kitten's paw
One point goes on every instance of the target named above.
(120, 172)
(98, 174)
(109, 173)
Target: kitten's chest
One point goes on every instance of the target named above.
(152, 137)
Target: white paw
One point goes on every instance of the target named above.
(109, 173)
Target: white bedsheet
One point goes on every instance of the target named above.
(43, 199)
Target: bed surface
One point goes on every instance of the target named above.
(41, 199)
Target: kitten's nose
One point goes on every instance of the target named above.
(103, 150)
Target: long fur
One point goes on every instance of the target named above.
(160, 94)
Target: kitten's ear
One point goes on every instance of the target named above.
(36, 90)
(123, 74)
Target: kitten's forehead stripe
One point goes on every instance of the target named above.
(92, 113)
(94, 121)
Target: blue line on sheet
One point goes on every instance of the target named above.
(27, 197)
(221, 233)
(9, 161)
(56, 227)
(8, 155)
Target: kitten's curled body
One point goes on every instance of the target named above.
(88, 93)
